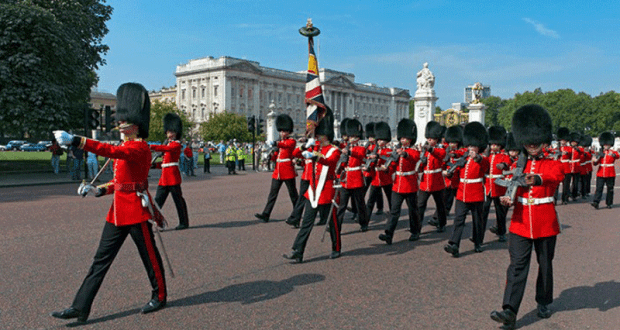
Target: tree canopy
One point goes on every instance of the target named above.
(156, 127)
(225, 126)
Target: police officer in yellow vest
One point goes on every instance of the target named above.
(241, 158)
(231, 156)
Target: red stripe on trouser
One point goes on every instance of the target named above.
(161, 294)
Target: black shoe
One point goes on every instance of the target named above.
(543, 311)
(334, 255)
(181, 227)
(292, 223)
(414, 237)
(262, 216)
(364, 229)
(433, 222)
(594, 205)
(507, 317)
(294, 255)
(502, 238)
(493, 229)
(564, 203)
(452, 249)
(386, 238)
(321, 223)
(71, 313)
(478, 249)
(441, 229)
(379, 212)
(471, 239)
(608, 206)
(355, 218)
(153, 305)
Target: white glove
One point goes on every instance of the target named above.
(307, 154)
(84, 189)
(270, 143)
(310, 143)
(63, 137)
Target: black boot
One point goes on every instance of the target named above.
(71, 313)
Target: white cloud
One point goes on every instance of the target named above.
(540, 28)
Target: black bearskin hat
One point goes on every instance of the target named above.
(326, 125)
(563, 133)
(443, 132)
(134, 106)
(370, 130)
(343, 127)
(354, 128)
(454, 134)
(497, 135)
(606, 138)
(383, 131)
(510, 143)
(575, 137)
(586, 141)
(475, 134)
(407, 129)
(284, 123)
(531, 124)
(173, 123)
(433, 130)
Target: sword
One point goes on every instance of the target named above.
(146, 202)
(83, 185)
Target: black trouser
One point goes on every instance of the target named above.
(520, 249)
(177, 196)
(230, 164)
(588, 180)
(357, 201)
(111, 241)
(448, 200)
(298, 209)
(241, 166)
(308, 222)
(275, 189)
(368, 186)
(609, 182)
(584, 184)
(375, 197)
(460, 212)
(500, 215)
(567, 189)
(397, 203)
(438, 197)
(207, 168)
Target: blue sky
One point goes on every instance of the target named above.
(513, 46)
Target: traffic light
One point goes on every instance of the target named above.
(260, 129)
(110, 123)
(251, 126)
(93, 119)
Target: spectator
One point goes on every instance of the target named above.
(207, 159)
(189, 156)
(221, 147)
(78, 159)
(56, 151)
(195, 146)
(93, 164)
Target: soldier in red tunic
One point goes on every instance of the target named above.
(565, 156)
(320, 193)
(499, 161)
(307, 145)
(170, 181)
(369, 171)
(470, 194)
(606, 173)
(285, 169)
(128, 215)
(382, 178)
(405, 185)
(432, 182)
(534, 221)
(585, 173)
(453, 139)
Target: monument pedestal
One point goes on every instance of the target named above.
(424, 107)
(476, 112)
(271, 134)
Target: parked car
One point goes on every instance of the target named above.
(14, 145)
(47, 144)
(33, 147)
(2, 148)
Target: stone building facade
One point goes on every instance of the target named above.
(210, 85)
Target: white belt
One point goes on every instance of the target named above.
(535, 201)
(471, 180)
(494, 176)
(169, 164)
(564, 160)
(308, 161)
(283, 160)
(357, 168)
(607, 165)
(405, 173)
(432, 171)
(574, 161)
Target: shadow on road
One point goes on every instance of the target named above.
(602, 296)
(250, 292)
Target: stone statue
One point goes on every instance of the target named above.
(425, 78)
(476, 93)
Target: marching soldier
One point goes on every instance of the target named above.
(405, 185)
(534, 221)
(585, 173)
(369, 171)
(285, 169)
(565, 157)
(127, 215)
(432, 182)
(170, 181)
(382, 178)
(320, 193)
(498, 163)
(453, 138)
(470, 194)
(606, 173)
(295, 218)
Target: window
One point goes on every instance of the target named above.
(203, 92)
(232, 91)
(194, 93)
(215, 90)
(183, 94)
(241, 92)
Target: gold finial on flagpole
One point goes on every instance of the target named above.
(309, 30)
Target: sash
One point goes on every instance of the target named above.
(314, 198)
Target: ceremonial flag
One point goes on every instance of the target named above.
(315, 104)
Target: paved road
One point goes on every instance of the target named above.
(230, 273)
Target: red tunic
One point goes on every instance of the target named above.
(188, 152)
(131, 169)
(406, 179)
(432, 179)
(354, 177)
(285, 169)
(453, 181)
(324, 175)
(586, 163)
(383, 178)
(575, 159)
(471, 182)
(565, 158)
(170, 174)
(606, 167)
(307, 173)
(534, 214)
(371, 169)
(493, 190)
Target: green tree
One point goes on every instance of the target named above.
(225, 126)
(156, 127)
(493, 104)
(438, 110)
(411, 109)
